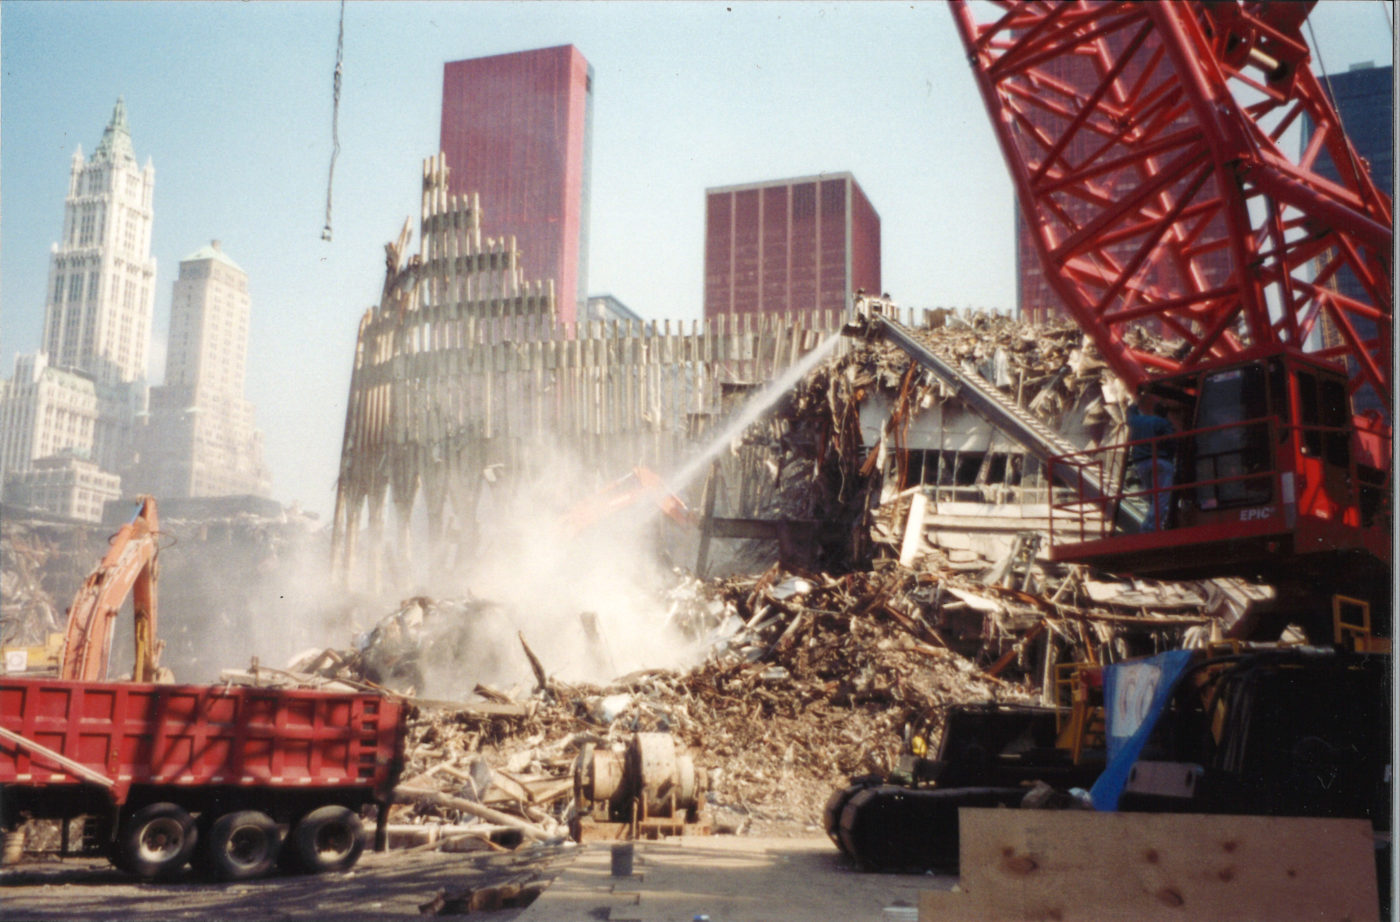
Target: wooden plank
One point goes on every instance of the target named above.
(1073, 865)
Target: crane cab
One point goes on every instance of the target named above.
(1274, 478)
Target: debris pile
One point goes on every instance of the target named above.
(41, 566)
(805, 679)
(808, 680)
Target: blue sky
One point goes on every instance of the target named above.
(232, 103)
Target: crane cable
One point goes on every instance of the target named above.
(335, 119)
(1357, 169)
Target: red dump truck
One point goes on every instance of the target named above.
(231, 778)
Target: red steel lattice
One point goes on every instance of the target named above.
(1146, 142)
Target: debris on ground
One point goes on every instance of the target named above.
(806, 679)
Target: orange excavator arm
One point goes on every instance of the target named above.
(128, 567)
(641, 483)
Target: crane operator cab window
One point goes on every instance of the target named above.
(1256, 421)
(1231, 451)
(1324, 415)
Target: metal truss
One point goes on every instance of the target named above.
(1146, 143)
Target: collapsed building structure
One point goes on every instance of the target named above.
(461, 371)
(897, 558)
(462, 378)
(893, 534)
(907, 575)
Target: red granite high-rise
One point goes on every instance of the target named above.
(516, 129)
(789, 246)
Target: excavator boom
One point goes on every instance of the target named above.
(129, 566)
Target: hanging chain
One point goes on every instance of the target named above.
(335, 120)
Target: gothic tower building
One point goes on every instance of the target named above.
(69, 413)
(101, 274)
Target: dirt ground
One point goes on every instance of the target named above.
(729, 878)
(389, 885)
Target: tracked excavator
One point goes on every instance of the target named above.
(1146, 143)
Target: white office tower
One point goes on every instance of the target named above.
(199, 438)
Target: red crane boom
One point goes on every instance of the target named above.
(1148, 146)
(1144, 140)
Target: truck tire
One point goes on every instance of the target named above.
(155, 841)
(240, 846)
(327, 839)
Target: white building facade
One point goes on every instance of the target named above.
(46, 411)
(78, 397)
(101, 295)
(199, 437)
(64, 485)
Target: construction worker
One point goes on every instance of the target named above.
(1152, 458)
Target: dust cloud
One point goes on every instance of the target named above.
(575, 560)
(233, 589)
(575, 564)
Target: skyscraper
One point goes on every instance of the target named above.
(516, 129)
(101, 275)
(789, 246)
(199, 438)
(1364, 97)
(72, 405)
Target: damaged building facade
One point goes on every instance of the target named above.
(463, 377)
(950, 470)
(463, 374)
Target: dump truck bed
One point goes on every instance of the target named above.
(193, 736)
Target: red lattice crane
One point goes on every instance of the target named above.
(1147, 144)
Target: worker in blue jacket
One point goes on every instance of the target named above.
(1153, 461)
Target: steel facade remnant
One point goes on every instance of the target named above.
(462, 370)
(1145, 140)
(399, 413)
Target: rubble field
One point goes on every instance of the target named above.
(807, 680)
(808, 671)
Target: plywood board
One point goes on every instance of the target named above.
(1082, 865)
